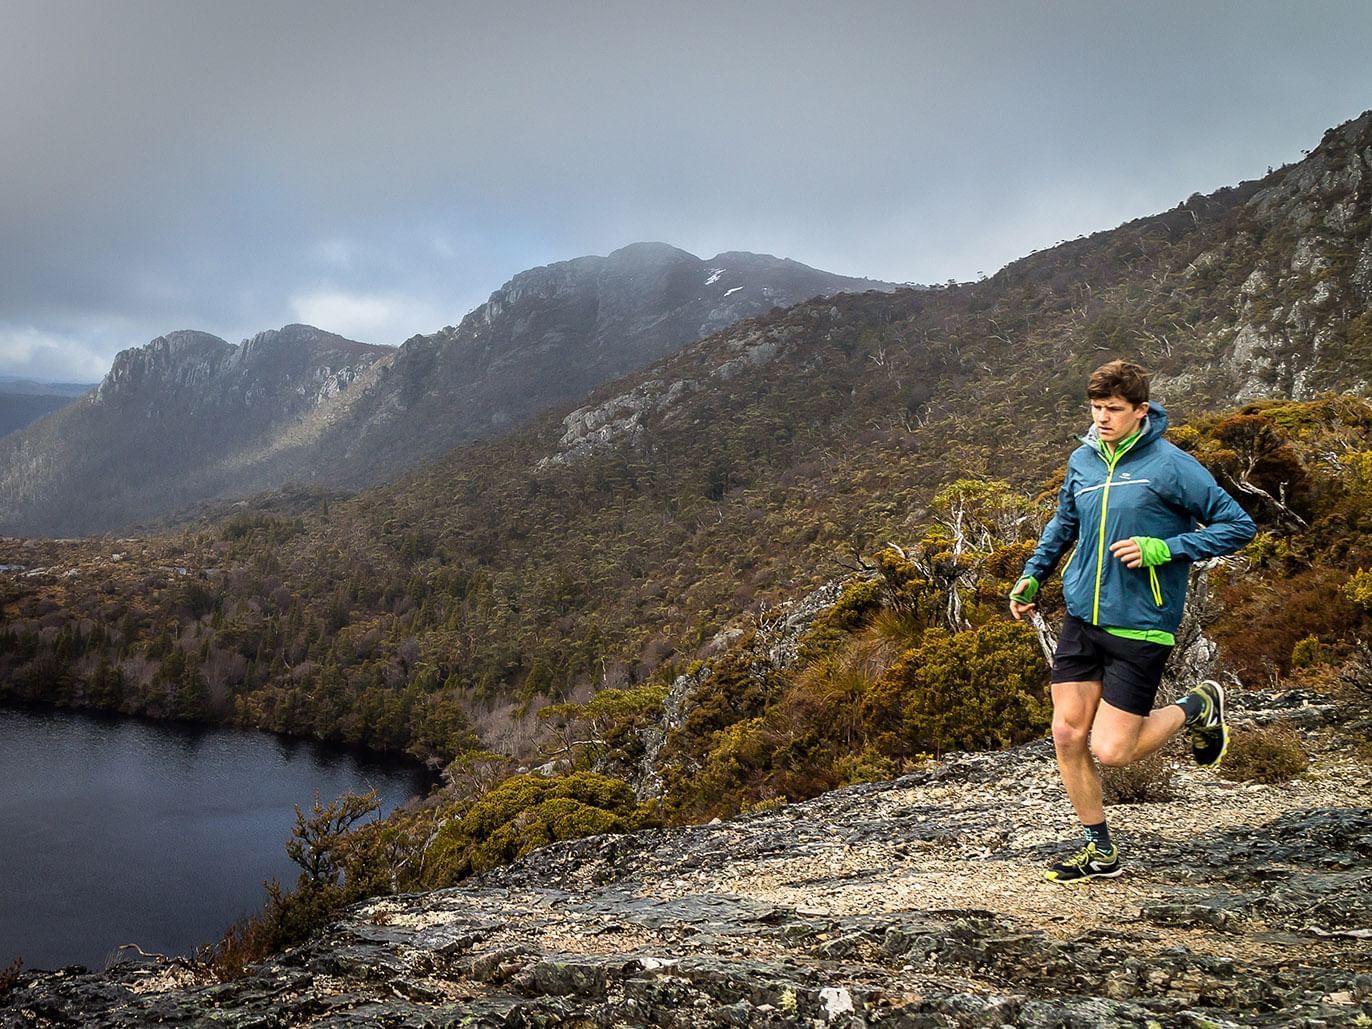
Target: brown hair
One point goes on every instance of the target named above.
(1119, 379)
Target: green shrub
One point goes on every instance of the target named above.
(980, 689)
(529, 811)
(1358, 588)
(1268, 754)
(557, 818)
(1308, 652)
(732, 773)
(903, 587)
(855, 606)
(866, 765)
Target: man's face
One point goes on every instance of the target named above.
(1116, 418)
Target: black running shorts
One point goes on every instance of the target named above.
(1129, 670)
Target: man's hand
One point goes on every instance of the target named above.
(1022, 597)
(1127, 551)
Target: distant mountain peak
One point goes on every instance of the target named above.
(648, 249)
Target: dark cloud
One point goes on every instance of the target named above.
(232, 167)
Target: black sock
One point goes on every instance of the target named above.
(1192, 705)
(1099, 834)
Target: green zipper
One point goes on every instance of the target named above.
(1110, 462)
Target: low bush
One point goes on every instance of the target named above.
(529, 811)
(1144, 782)
(1267, 754)
(981, 689)
(866, 765)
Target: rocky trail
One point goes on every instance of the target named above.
(916, 902)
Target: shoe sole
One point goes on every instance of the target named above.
(1224, 749)
(1048, 877)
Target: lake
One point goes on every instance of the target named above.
(116, 831)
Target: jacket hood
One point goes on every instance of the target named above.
(1154, 425)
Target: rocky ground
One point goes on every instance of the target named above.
(914, 902)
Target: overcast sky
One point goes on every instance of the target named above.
(378, 169)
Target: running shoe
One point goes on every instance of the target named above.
(1209, 732)
(1087, 863)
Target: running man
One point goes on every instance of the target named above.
(1138, 511)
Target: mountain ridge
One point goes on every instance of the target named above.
(342, 414)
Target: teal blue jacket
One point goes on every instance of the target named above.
(1151, 489)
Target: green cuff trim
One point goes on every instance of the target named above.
(1155, 551)
(1025, 590)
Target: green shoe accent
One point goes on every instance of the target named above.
(1087, 863)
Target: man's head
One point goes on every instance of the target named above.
(1118, 392)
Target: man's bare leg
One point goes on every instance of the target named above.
(1076, 709)
(1119, 738)
(1075, 706)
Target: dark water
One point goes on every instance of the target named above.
(116, 831)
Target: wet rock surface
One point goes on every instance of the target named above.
(916, 902)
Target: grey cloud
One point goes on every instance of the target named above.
(189, 164)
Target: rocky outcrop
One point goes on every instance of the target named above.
(1317, 215)
(283, 372)
(171, 425)
(623, 418)
(912, 902)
